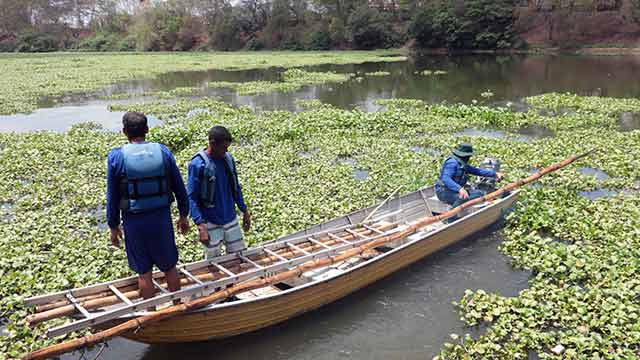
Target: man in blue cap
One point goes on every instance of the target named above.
(142, 178)
(214, 193)
(455, 174)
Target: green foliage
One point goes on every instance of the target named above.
(33, 41)
(635, 10)
(7, 45)
(101, 42)
(224, 31)
(369, 29)
(162, 27)
(254, 44)
(482, 24)
(320, 40)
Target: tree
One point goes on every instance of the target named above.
(369, 29)
(276, 30)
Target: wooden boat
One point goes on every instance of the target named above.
(256, 309)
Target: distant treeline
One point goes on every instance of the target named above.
(183, 25)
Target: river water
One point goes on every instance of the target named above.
(508, 78)
(408, 315)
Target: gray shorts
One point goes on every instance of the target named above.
(229, 233)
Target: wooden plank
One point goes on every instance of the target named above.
(298, 249)
(246, 259)
(357, 234)
(334, 236)
(190, 276)
(120, 295)
(273, 253)
(222, 268)
(372, 229)
(319, 243)
(77, 305)
(159, 287)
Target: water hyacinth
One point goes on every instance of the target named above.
(582, 301)
(29, 77)
(292, 80)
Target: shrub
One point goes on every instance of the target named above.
(480, 24)
(7, 44)
(33, 41)
(254, 44)
(320, 40)
(100, 42)
(369, 29)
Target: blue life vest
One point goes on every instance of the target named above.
(207, 193)
(460, 177)
(146, 185)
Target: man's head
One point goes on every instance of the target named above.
(464, 151)
(219, 141)
(134, 125)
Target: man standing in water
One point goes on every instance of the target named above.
(454, 176)
(142, 178)
(214, 192)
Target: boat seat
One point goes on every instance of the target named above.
(255, 293)
(437, 206)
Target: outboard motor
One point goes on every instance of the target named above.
(484, 184)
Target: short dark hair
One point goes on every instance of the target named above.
(135, 124)
(219, 134)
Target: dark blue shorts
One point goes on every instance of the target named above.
(149, 240)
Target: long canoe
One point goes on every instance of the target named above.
(260, 308)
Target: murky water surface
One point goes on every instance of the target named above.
(407, 315)
(509, 78)
(597, 173)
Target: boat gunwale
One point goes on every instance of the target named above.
(358, 266)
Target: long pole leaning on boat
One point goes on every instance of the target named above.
(142, 321)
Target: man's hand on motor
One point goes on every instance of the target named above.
(203, 234)
(499, 176)
(463, 194)
(116, 236)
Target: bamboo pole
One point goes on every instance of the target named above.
(140, 322)
(92, 302)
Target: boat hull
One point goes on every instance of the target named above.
(241, 317)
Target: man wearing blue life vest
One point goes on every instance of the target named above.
(214, 192)
(450, 187)
(142, 178)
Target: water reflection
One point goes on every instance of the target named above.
(597, 173)
(509, 78)
(531, 132)
(4, 323)
(525, 134)
(600, 193)
(629, 121)
(64, 117)
(361, 174)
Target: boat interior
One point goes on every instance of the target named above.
(108, 301)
